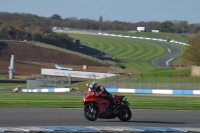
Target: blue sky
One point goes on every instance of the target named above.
(121, 10)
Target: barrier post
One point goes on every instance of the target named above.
(170, 81)
(155, 82)
(187, 82)
(142, 82)
(129, 75)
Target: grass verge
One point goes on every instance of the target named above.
(133, 55)
(67, 100)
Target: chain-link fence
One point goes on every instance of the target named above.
(152, 82)
(132, 82)
(49, 82)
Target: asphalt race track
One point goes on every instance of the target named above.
(12, 117)
(173, 52)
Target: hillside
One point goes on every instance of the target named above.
(29, 59)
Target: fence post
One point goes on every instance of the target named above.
(170, 81)
(155, 82)
(129, 75)
(142, 82)
(187, 82)
(148, 83)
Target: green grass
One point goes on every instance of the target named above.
(12, 85)
(65, 100)
(135, 55)
(166, 75)
(172, 36)
(164, 72)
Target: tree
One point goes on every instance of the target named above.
(100, 19)
(36, 36)
(39, 29)
(166, 26)
(56, 17)
(100, 22)
(18, 24)
(192, 54)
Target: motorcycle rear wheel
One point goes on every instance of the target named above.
(91, 116)
(125, 113)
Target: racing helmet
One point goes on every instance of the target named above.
(93, 86)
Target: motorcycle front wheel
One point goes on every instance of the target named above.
(90, 112)
(125, 113)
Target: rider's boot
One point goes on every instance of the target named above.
(115, 109)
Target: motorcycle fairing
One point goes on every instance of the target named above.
(101, 102)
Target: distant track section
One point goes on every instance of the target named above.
(163, 61)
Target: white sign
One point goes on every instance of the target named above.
(156, 31)
(141, 28)
(78, 74)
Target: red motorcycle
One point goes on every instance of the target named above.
(99, 107)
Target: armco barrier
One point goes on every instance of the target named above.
(124, 90)
(47, 90)
(144, 38)
(154, 91)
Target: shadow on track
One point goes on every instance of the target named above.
(161, 122)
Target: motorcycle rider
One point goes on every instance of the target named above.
(102, 92)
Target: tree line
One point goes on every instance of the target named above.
(47, 23)
(29, 27)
